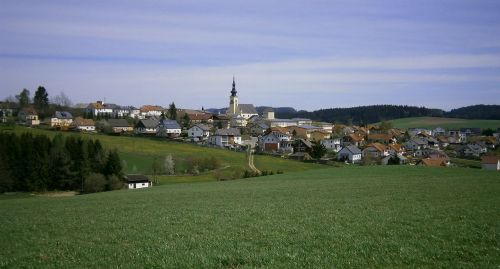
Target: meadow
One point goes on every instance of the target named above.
(338, 217)
(138, 154)
(447, 123)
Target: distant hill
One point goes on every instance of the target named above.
(377, 113)
(486, 112)
(447, 123)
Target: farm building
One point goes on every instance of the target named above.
(490, 163)
(137, 181)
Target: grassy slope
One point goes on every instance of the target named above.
(138, 154)
(447, 123)
(341, 217)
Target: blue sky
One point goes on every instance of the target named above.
(305, 54)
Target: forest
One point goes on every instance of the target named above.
(376, 113)
(38, 163)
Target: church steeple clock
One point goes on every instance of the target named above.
(233, 101)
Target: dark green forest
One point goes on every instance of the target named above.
(370, 114)
(38, 163)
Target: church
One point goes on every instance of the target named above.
(236, 109)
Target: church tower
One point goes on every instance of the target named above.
(233, 101)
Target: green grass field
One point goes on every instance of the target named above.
(139, 152)
(447, 123)
(339, 217)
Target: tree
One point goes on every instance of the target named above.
(172, 111)
(385, 125)
(23, 98)
(488, 132)
(113, 164)
(186, 120)
(318, 150)
(61, 100)
(41, 99)
(394, 160)
(114, 183)
(169, 165)
(95, 183)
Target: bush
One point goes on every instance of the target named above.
(95, 183)
(114, 183)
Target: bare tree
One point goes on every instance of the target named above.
(61, 100)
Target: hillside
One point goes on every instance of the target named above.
(138, 154)
(447, 123)
(340, 217)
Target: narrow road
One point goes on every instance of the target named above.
(250, 161)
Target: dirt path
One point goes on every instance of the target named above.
(250, 161)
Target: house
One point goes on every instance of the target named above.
(268, 113)
(137, 182)
(461, 137)
(353, 139)
(318, 135)
(84, 125)
(325, 126)
(99, 108)
(471, 131)
(381, 138)
(134, 112)
(258, 128)
(395, 149)
(490, 163)
(416, 143)
(151, 111)
(415, 131)
(333, 144)
(289, 122)
(438, 131)
(221, 121)
(269, 142)
(199, 132)
(168, 128)
(28, 116)
(61, 119)
(376, 150)
(226, 137)
(199, 117)
(238, 121)
(147, 126)
(119, 126)
(470, 150)
(302, 145)
(305, 131)
(350, 153)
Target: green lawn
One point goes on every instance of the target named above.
(447, 123)
(332, 218)
(138, 154)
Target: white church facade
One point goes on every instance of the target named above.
(236, 109)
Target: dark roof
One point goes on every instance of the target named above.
(247, 109)
(353, 149)
(148, 123)
(118, 123)
(169, 124)
(230, 131)
(63, 115)
(203, 127)
(306, 143)
(136, 178)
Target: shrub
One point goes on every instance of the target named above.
(114, 183)
(95, 183)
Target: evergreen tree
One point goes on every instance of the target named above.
(41, 100)
(59, 164)
(113, 165)
(318, 150)
(23, 98)
(172, 111)
(186, 120)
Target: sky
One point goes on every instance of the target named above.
(305, 54)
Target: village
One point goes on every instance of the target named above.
(241, 127)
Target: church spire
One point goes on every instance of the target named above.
(233, 91)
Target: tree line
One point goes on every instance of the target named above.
(38, 163)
